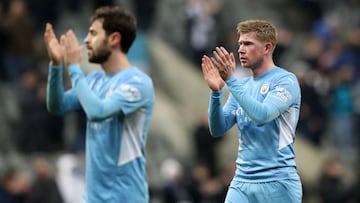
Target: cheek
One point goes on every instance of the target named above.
(94, 41)
(256, 52)
(251, 52)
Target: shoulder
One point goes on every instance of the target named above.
(285, 71)
(95, 74)
(139, 77)
(286, 82)
(134, 80)
(283, 74)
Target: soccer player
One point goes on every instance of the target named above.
(117, 100)
(265, 108)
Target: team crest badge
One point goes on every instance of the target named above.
(265, 88)
(109, 92)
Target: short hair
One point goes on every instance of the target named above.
(117, 19)
(265, 31)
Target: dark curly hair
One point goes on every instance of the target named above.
(117, 19)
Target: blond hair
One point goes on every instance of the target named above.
(265, 31)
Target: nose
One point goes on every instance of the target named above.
(241, 49)
(86, 40)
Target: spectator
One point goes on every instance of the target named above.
(44, 188)
(204, 187)
(14, 187)
(332, 187)
(70, 178)
(38, 130)
(355, 190)
(205, 145)
(201, 24)
(3, 40)
(19, 52)
(174, 188)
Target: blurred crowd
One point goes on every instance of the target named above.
(318, 40)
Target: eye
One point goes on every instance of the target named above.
(92, 32)
(247, 43)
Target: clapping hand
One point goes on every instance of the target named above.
(73, 50)
(211, 74)
(224, 62)
(54, 48)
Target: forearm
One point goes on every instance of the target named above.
(217, 124)
(259, 112)
(94, 107)
(55, 89)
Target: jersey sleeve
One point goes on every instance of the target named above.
(124, 99)
(57, 99)
(221, 119)
(279, 98)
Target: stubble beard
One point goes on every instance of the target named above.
(254, 65)
(100, 55)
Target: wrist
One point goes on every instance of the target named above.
(55, 63)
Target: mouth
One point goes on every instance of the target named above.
(89, 52)
(243, 59)
(89, 49)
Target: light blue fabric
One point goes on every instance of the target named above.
(266, 112)
(283, 191)
(118, 109)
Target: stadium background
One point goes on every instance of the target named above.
(319, 40)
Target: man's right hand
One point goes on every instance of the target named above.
(54, 48)
(211, 74)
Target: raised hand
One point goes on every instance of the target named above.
(224, 62)
(54, 48)
(73, 50)
(211, 74)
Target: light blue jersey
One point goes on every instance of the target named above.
(266, 111)
(118, 110)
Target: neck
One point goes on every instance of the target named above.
(264, 67)
(115, 63)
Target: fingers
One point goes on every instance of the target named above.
(73, 50)
(71, 38)
(224, 51)
(221, 54)
(211, 74)
(70, 41)
(206, 64)
(49, 33)
(224, 62)
(229, 57)
(232, 57)
(223, 59)
(62, 40)
(215, 62)
(48, 29)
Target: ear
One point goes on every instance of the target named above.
(268, 47)
(115, 39)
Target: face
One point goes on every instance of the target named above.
(251, 50)
(97, 43)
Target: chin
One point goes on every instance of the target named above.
(244, 65)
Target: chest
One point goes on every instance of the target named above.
(103, 86)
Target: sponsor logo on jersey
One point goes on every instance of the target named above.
(283, 93)
(130, 92)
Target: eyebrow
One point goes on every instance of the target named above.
(247, 42)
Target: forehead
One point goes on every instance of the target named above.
(97, 25)
(249, 36)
